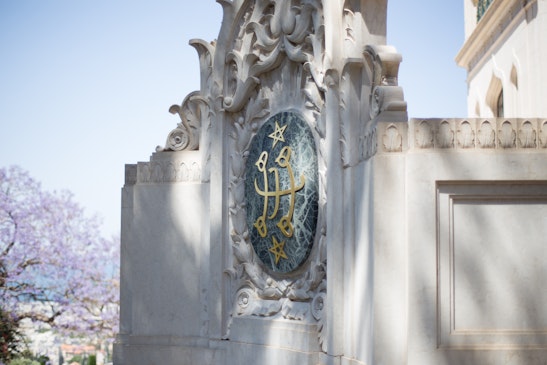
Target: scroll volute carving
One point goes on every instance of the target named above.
(206, 51)
(271, 31)
(386, 94)
(192, 112)
(195, 110)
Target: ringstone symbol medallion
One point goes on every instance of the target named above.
(282, 192)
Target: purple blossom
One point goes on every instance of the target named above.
(55, 267)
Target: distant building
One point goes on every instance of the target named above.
(505, 52)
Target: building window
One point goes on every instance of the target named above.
(499, 105)
(482, 6)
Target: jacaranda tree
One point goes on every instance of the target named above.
(55, 266)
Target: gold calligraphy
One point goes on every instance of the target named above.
(285, 223)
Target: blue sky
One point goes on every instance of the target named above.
(85, 86)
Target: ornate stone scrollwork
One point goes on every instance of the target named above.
(486, 136)
(527, 135)
(543, 134)
(274, 40)
(507, 135)
(424, 135)
(386, 95)
(193, 113)
(272, 31)
(466, 135)
(392, 139)
(445, 135)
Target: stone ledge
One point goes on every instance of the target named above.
(464, 134)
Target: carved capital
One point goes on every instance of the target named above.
(386, 96)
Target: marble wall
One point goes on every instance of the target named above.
(295, 215)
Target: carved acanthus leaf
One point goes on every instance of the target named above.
(194, 112)
(268, 39)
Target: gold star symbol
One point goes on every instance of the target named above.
(277, 135)
(277, 250)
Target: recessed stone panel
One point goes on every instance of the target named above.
(492, 249)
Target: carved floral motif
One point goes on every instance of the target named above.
(486, 137)
(168, 171)
(527, 135)
(445, 135)
(276, 40)
(424, 135)
(392, 139)
(269, 33)
(543, 135)
(466, 135)
(512, 134)
(507, 135)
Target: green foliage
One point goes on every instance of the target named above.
(76, 358)
(10, 337)
(92, 360)
(23, 361)
(42, 359)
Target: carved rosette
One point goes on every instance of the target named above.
(274, 40)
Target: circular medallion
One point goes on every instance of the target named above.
(282, 192)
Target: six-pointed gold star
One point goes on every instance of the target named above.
(277, 134)
(278, 250)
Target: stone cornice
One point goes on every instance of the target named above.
(467, 134)
(501, 17)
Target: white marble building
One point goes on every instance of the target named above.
(505, 53)
(423, 244)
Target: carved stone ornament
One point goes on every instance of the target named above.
(507, 135)
(386, 95)
(466, 135)
(424, 135)
(269, 33)
(282, 192)
(266, 82)
(392, 139)
(527, 135)
(376, 73)
(543, 134)
(276, 198)
(486, 135)
(445, 135)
